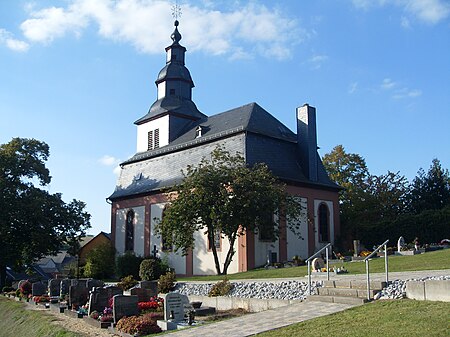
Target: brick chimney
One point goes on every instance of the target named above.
(307, 140)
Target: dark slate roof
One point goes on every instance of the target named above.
(263, 139)
(172, 104)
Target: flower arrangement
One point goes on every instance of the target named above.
(154, 304)
(138, 325)
(41, 299)
(106, 315)
(94, 315)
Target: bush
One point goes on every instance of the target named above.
(166, 282)
(128, 264)
(7, 289)
(221, 288)
(138, 325)
(151, 269)
(127, 282)
(100, 262)
(25, 288)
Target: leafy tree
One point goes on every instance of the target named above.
(431, 190)
(34, 223)
(223, 196)
(100, 262)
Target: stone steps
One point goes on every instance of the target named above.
(347, 291)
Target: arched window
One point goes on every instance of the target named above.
(129, 231)
(324, 223)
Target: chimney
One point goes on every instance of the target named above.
(307, 140)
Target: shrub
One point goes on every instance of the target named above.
(7, 289)
(100, 262)
(128, 264)
(151, 269)
(25, 288)
(127, 282)
(138, 325)
(221, 288)
(166, 282)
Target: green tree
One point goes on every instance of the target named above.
(431, 190)
(223, 196)
(100, 262)
(33, 222)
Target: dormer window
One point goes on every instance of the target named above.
(198, 132)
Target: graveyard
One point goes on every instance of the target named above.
(142, 310)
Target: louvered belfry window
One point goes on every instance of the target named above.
(153, 139)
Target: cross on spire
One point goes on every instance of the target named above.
(176, 10)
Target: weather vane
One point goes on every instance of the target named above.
(176, 10)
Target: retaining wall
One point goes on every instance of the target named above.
(429, 290)
(249, 304)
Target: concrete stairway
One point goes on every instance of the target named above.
(346, 291)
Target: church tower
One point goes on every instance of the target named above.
(174, 112)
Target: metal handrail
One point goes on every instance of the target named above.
(308, 260)
(366, 260)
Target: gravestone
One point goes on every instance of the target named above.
(54, 287)
(400, 243)
(142, 294)
(317, 264)
(64, 287)
(124, 306)
(78, 295)
(99, 297)
(91, 283)
(38, 289)
(151, 285)
(356, 248)
(174, 306)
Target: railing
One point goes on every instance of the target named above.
(309, 265)
(366, 260)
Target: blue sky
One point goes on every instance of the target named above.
(77, 74)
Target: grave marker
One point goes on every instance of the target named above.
(124, 306)
(174, 306)
(54, 287)
(38, 289)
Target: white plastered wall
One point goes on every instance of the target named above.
(316, 222)
(176, 260)
(203, 260)
(299, 245)
(162, 124)
(263, 249)
(139, 226)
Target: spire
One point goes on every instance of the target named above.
(176, 36)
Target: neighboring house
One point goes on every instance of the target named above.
(91, 242)
(56, 265)
(174, 134)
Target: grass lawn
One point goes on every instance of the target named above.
(17, 321)
(380, 318)
(429, 261)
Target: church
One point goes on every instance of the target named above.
(175, 134)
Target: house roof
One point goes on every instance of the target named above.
(248, 129)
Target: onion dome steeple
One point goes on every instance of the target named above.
(174, 89)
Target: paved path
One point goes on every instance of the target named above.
(254, 323)
(251, 324)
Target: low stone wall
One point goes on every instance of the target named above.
(249, 304)
(429, 290)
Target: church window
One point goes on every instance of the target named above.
(324, 223)
(266, 228)
(129, 231)
(166, 247)
(217, 241)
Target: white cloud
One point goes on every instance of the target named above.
(7, 39)
(243, 31)
(405, 22)
(318, 60)
(398, 91)
(429, 11)
(108, 160)
(352, 87)
(388, 84)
